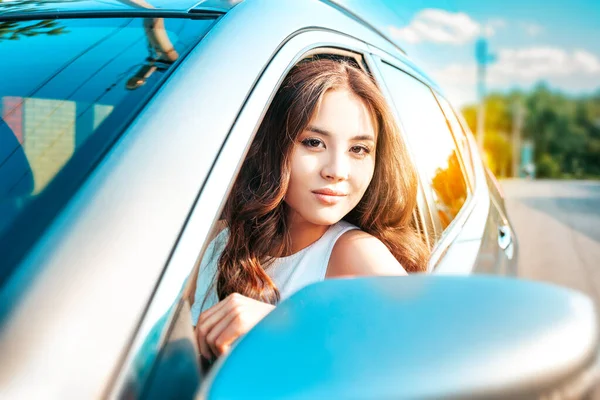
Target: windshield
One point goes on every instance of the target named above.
(68, 89)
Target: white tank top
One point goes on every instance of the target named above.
(289, 274)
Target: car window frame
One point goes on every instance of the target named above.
(469, 170)
(187, 253)
(447, 236)
(423, 211)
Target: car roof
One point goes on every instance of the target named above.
(20, 10)
(74, 6)
(58, 8)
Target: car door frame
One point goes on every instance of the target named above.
(449, 235)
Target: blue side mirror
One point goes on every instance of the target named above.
(416, 337)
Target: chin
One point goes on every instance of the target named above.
(324, 218)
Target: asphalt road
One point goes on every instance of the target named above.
(558, 228)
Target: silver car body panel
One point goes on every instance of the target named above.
(79, 297)
(110, 244)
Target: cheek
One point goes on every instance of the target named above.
(363, 173)
(304, 166)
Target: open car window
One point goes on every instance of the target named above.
(175, 296)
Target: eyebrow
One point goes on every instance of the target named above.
(327, 133)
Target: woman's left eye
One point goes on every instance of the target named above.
(312, 142)
(361, 150)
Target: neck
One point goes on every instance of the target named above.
(303, 233)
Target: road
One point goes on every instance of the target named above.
(558, 227)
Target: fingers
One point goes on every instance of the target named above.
(207, 321)
(212, 310)
(224, 333)
(203, 345)
(213, 315)
(222, 324)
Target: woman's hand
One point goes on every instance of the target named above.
(223, 323)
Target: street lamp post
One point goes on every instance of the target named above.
(518, 115)
(483, 58)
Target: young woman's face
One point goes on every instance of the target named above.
(332, 161)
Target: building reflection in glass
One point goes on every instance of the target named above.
(68, 95)
(68, 82)
(49, 130)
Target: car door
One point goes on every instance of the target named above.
(497, 252)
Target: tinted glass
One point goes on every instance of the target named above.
(460, 137)
(67, 90)
(431, 142)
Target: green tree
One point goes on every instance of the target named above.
(565, 132)
(14, 30)
(498, 125)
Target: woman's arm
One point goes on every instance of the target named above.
(219, 326)
(358, 253)
(190, 286)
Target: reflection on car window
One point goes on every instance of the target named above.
(460, 136)
(431, 141)
(64, 83)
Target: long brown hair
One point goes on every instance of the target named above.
(255, 212)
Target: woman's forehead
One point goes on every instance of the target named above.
(342, 113)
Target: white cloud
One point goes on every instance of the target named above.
(528, 65)
(445, 27)
(535, 63)
(577, 71)
(532, 29)
(492, 26)
(456, 74)
(438, 26)
(587, 61)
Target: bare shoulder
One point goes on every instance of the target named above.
(217, 228)
(359, 253)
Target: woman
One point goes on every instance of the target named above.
(327, 190)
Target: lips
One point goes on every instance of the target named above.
(329, 192)
(328, 196)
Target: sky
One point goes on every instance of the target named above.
(554, 41)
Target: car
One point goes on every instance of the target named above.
(124, 125)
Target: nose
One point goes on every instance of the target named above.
(336, 168)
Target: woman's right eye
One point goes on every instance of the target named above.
(312, 142)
